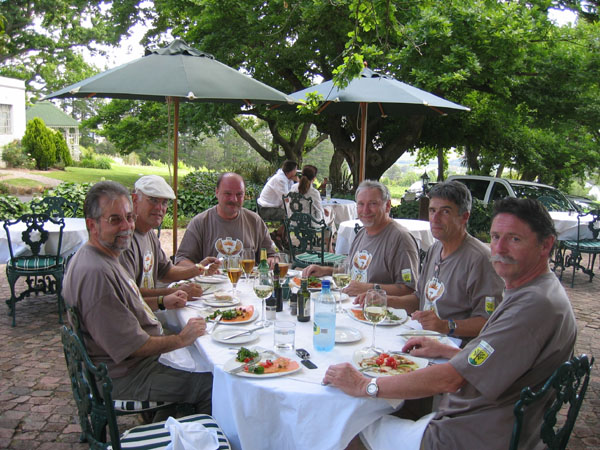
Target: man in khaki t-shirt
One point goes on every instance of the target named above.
(383, 253)
(515, 349)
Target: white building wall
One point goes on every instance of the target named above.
(12, 93)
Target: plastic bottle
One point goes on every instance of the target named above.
(328, 192)
(324, 323)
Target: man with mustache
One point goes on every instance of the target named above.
(145, 260)
(383, 254)
(458, 288)
(227, 219)
(527, 337)
(118, 326)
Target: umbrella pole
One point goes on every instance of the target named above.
(175, 144)
(363, 141)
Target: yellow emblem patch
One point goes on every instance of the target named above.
(406, 275)
(480, 353)
(490, 305)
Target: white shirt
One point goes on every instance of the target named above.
(276, 186)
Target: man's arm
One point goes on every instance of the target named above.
(397, 289)
(465, 327)
(408, 302)
(317, 271)
(155, 345)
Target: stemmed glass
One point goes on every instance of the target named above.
(341, 276)
(234, 270)
(248, 261)
(284, 264)
(374, 309)
(263, 288)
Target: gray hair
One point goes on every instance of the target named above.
(371, 184)
(453, 191)
(110, 189)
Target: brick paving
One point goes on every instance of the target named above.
(37, 410)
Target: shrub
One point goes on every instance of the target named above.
(406, 210)
(96, 162)
(63, 154)
(14, 156)
(480, 220)
(39, 143)
(73, 192)
(11, 207)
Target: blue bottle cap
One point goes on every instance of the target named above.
(325, 284)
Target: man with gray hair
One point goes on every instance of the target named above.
(383, 254)
(458, 288)
(119, 328)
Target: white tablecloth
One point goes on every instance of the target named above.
(74, 236)
(294, 411)
(418, 228)
(566, 225)
(341, 209)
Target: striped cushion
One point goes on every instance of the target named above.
(585, 245)
(136, 405)
(155, 435)
(313, 258)
(39, 263)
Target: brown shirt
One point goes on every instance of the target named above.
(145, 260)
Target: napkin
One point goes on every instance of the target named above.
(190, 436)
(378, 433)
(180, 359)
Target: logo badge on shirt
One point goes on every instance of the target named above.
(229, 246)
(490, 305)
(480, 354)
(360, 264)
(406, 275)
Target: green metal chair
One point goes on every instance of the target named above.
(581, 246)
(569, 382)
(44, 272)
(92, 391)
(54, 207)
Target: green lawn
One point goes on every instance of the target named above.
(23, 182)
(126, 175)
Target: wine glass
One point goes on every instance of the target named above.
(284, 264)
(341, 276)
(374, 310)
(234, 270)
(248, 261)
(263, 288)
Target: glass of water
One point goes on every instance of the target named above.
(284, 335)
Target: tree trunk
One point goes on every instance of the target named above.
(441, 164)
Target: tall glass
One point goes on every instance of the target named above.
(374, 310)
(284, 264)
(263, 288)
(248, 261)
(341, 276)
(234, 270)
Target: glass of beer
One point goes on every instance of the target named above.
(248, 261)
(284, 264)
(234, 270)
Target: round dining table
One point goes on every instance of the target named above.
(566, 224)
(340, 209)
(294, 411)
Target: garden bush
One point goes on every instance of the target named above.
(73, 192)
(63, 154)
(406, 210)
(38, 141)
(96, 162)
(11, 207)
(14, 156)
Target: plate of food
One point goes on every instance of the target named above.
(294, 273)
(393, 317)
(220, 299)
(387, 364)
(314, 283)
(345, 335)
(239, 315)
(340, 297)
(211, 279)
(221, 334)
(251, 363)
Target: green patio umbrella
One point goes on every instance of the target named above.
(387, 95)
(177, 73)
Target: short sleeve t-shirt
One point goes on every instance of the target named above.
(145, 260)
(515, 349)
(115, 320)
(389, 257)
(206, 228)
(462, 285)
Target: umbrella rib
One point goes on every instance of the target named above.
(383, 114)
(439, 111)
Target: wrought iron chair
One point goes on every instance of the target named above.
(55, 207)
(570, 382)
(44, 272)
(581, 246)
(92, 391)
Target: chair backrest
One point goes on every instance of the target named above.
(295, 202)
(594, 224)
(95, 409)
(305, 235)
(34, 235)
(55, 207)
(569, 383)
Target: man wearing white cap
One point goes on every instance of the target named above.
(145, 260)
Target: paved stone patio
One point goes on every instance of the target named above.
(37, 410)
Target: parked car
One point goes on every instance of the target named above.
(583, 204)
(489, 189)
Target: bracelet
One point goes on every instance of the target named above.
(161, 303)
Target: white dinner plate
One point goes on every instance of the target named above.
(210, 300)
(232, 364)
(344, 335)
(401, 313)
(340, 297)
(220, 334)
(294, 273)
(211, 279)
(254, 316)
(358, 357)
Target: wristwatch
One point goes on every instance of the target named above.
(376, 286)
(372, 388)
(451, 327)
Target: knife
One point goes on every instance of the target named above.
(251, 330)
(241, 368)
(417, 334)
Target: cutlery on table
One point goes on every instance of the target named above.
(251, 330)
(419, 333)
(241, 367)
(217, 320)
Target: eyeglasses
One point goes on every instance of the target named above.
(116, 221)
(159, 201)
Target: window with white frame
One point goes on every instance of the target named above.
(5, 119)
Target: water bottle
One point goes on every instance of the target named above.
(324, 323)
(328, 192)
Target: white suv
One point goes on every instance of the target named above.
(489, 189)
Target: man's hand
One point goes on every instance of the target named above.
(215, 263)
(357, 287)
(191, 289)
(430, 321)
(195, 328)
(316, 271)
(360, 299)
(177, 299)
(347, 378)
(429, 348)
